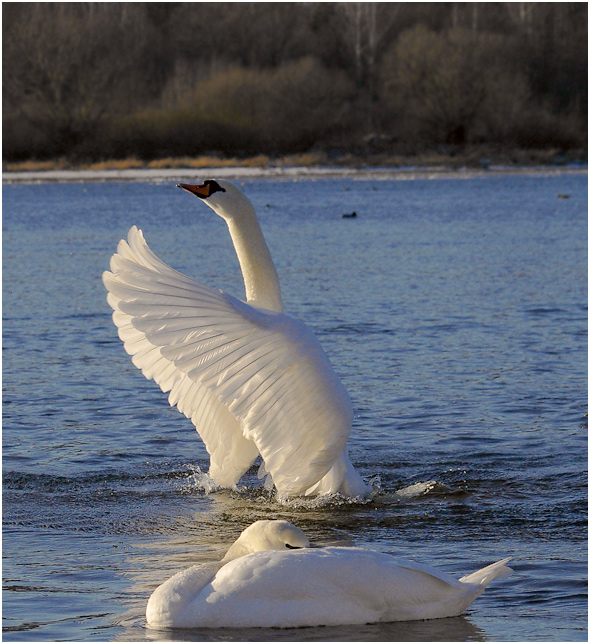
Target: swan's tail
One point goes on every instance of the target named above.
(485, 575)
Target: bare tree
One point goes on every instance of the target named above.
(522, 13)
(66, 65)
(465, 14)
(367, 25)
(439, 80)
(80, 76)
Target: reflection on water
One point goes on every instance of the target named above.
(447, 630)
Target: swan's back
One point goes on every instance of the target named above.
(325, 586)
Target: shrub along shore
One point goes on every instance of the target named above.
(478, 157)
(96, 84)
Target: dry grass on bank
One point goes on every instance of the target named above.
(259, 161)
(469, 157)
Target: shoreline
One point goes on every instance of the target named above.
(290, 172)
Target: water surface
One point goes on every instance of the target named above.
(455, 312)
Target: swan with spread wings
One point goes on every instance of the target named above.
(253, 380)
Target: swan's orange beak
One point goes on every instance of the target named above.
(202, 191)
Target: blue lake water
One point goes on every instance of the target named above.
(455, 313)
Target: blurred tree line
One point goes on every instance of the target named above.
(148, 79)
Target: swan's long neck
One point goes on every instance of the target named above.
(259, 272)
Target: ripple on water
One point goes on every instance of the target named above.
(464, 363)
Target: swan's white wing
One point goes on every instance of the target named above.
(266, 369)
(230, 453)
(168, 602)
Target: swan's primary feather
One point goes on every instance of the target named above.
(251, 380)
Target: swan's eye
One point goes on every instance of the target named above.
(213, 187)
(290, 547)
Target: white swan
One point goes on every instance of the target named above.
(251, 379)
(271, 578)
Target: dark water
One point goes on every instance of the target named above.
(453, 310)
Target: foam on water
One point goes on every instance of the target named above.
(422, 488)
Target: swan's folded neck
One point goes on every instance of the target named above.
(259, 272)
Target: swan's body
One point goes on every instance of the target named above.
(251, 379)
(267, 583)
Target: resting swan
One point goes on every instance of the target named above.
(251, 379)
(270, 577)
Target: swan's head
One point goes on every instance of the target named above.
(267, 535)
(223, 197)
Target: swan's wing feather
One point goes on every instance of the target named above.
(265, 368)
(272, 375)
(311, 586)
(230, 452)
(169, 601)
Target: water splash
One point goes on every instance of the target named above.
(422, 488)
(324, 501)
(200, 480)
